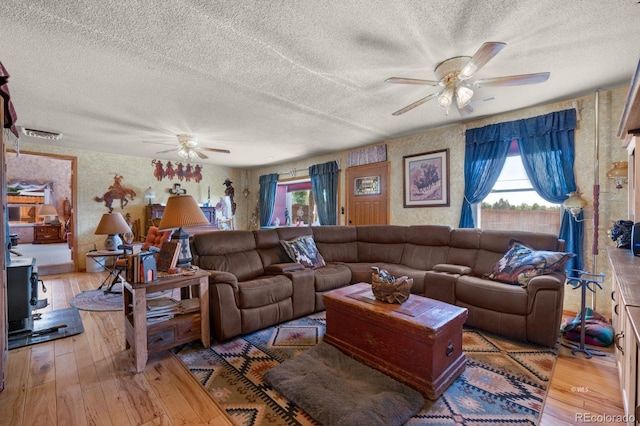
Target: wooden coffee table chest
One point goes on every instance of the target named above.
(418, 343)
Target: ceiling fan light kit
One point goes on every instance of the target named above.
(188, 148)
(453, 74)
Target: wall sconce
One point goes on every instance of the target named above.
(619, 173)
(245, 192)
(574, 204)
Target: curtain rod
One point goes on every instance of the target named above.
(293, 172)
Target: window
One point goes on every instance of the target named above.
(513, 204)
(294, 204)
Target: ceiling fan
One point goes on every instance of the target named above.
(189, 150)
(454, 76)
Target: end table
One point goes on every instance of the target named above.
(146, 339)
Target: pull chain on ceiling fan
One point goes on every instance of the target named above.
(453, 75)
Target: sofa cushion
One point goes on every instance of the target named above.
(263, 291)
(332, 276)
(336, 243)
(304, 251)
(521, 263)
(269, 248)
(381, 243)
(491, 295)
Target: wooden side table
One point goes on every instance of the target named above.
(146, 339)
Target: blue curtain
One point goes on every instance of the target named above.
(267, 197)
(485, 153)
(546, 145)
(324, 184)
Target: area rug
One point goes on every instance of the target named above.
(46, 328)
(505, 382)
(335, 389)
(98, 300)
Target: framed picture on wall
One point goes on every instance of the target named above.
(369, 185)
(426, 179)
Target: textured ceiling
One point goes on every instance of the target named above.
(274, 81)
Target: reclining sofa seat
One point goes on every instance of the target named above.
(244, 295)
(254, 284)
(532, 313)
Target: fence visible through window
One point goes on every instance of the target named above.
(547, 221)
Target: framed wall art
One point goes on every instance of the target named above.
(369, 185)
(426, 179)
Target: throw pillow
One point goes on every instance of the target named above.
(521, 263)
(304, 251)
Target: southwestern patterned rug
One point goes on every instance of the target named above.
(505, 382)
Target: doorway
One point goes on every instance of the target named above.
(368, 194)
(48, 238)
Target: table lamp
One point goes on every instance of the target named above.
(47, 210)
(149, 194)
(112, 224)
(182, 211)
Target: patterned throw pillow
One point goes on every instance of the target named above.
(521, 263)
(304, 251)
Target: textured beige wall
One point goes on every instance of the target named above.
(613, 203)
(95, 175)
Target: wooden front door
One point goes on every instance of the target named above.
(368, 194)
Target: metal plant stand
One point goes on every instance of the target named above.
(584, 281)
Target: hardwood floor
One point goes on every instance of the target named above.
(89, 379)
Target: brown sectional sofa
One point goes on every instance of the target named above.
(254, 284)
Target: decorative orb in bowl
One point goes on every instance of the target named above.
(390, 289)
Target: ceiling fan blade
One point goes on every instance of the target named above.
(513, 80)
(416, 104)
(466, 110)
(168, 150)
(486, 52)
(402, 80)
(201, 155)
(159, 143)
(224, 151)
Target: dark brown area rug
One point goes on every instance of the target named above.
(504, 382)
(335, 389)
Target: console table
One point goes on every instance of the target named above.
(146, 339)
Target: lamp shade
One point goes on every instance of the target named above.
(181, 211)
(47, 210)
(574, 204)
(619, 173)
(112, 224)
